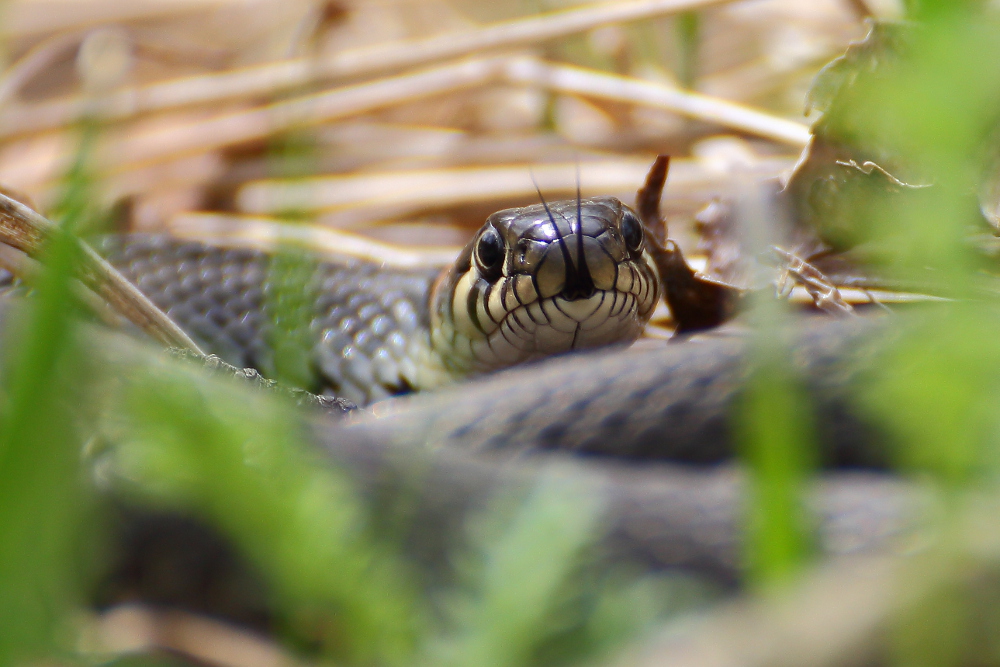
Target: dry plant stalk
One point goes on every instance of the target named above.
(266, 234)
(136, 149)
(440, 188)
(273, 78)
(614, 87)
(29, 232)
(832, 619)
(131, 629)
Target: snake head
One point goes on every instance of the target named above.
(543, 280)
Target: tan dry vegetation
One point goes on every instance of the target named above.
(404, 121)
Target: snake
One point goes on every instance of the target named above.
(481, 376)
(533, 282)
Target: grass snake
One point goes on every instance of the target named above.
(654, 418)
(534, 282)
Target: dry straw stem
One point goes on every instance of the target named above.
(834, 618)
(350, 144)
(165, 142)
(39, 57)
(266, 234)
(255, 124)
(135, 629)
(359, 198)
(26, 18)
(272, 78)
(127, 150)
(846, 611)
(579, 81)
(25, 230)
(28, 269)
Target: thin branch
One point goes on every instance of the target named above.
(266, 234)
(357, 198)
(29, 232)
(28, 269)
(579, 81)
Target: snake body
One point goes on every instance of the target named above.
(372, 331)
(668, 402)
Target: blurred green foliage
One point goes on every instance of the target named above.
(238, 460)
(774, 426)
(940, 108)
(936, 389)
(925, 101)
(42, 502)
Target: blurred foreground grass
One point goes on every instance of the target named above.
(932, 105)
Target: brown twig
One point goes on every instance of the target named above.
(29, 232)
(28, 269)
(825, 294)
(647, 200)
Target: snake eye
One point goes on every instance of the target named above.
(490, 252)
(632, 231)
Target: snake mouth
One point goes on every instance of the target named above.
(513, 324)
(556, 325)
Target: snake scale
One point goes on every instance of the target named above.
(372, 332)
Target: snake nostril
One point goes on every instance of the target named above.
(522, 252)
(579, 282)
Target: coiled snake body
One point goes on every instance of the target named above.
(535, 281)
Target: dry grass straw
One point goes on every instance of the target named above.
(177, 141)
(136, 629)
(273, 78)
(352, 201)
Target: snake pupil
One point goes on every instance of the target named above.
(490, 252)
(632, 231)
